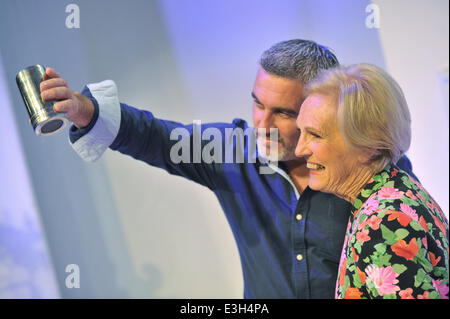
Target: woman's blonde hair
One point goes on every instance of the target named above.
(372, 111)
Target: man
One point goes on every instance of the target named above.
(288, 236)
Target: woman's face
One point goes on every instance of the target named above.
(331, 161)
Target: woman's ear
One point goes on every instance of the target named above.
(368, 155)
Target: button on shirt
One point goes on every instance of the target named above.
(289, 243)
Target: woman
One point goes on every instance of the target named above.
(354, 124)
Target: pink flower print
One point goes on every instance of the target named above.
(415, 182)
(384, 279)
(374, 222)
(390, 193)
(409, 211)
(434, 206)
(425, 242)
(363, 236)
(418, 184)
(362, 225)
(426, 295)
(349, 225)
(419, 195)
(442, 289)
(411, 195)
(371, 204)
(406, 294)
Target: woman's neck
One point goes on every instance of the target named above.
(350, 189)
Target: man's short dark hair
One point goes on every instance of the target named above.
(298, 59)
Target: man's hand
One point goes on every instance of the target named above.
(79, 108)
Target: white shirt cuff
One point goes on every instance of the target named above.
(91, 146)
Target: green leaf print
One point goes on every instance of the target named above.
(357, 247)
(388, 235)
(356, 280)
(408, 201)
(382, 213)
(381, 261)
(427, 286)
(419, 277)
(378, 178)
(389, 184)
(416, 226)
(366, 193)
(371, 288)
(380, 248)
(439, 271)
(401, 233)
(425, 195)
(424, 262)
(346, 284)
(408, 182)
(399, 268)
(435, 295)
(377, 186)
(358, 203)
(444, 239)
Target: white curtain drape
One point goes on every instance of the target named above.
(25, 265)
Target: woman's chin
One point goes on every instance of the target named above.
(316, 184)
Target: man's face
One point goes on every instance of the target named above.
(276, 104)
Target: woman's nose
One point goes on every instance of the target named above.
(301, 150)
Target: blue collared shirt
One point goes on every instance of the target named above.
(289, 243)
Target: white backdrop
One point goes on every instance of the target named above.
(26, 269)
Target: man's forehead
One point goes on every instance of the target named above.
(277, 91)
(264, 78)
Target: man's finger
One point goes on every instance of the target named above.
(55, 94)
(50, 73)
(63, 106)
(51, 83)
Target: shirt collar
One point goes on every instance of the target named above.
(283, 173)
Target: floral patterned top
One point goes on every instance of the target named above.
(396, 243)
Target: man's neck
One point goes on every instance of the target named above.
(298, 173)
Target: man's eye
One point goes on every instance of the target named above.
(315, 135)
(286, 114)
(259, 105)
